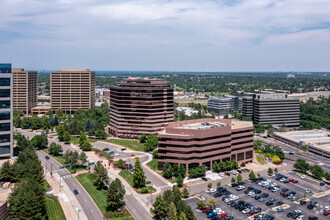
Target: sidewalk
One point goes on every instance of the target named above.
(63, 195)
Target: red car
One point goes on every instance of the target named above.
(206, 209)
(251, 213)
(295, 181)
(291, 180)
(326, 213)
(223, 215)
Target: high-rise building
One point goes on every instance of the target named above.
(140, 106)
(202, 142)
(224, 105)
(6, 111)
(276, 109)
(25, 89)
(72, 89)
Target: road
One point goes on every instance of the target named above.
(85, 201)
(309, 157)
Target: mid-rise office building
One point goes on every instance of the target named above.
(201, 142)
(276, 109)
(140, 106)
(25, 90)
(6, 111)
(247, 106)
(224, 105)
(72, 89)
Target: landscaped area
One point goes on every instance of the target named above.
(153, 164)
(75, 140)
(261, 159)
(128, 176)
(61, 160)
(54, 209)
(99, 196)
(131, 144)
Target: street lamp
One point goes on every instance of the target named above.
(77, 209)
(51, 169)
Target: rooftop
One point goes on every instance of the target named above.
(203, 125)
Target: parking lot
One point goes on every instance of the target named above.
(299, 188)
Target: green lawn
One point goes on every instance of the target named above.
(131, 144)
(61, 160)
(54, 209)
(75, 140)
(153, 164)
(100, 196)
(128, 176)
(261, 159)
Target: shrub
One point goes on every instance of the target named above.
(145, 190)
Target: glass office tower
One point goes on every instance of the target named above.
(6, 111)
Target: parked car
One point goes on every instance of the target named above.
(326, 213)
(280, 210)
(303, 176)
(123, 149)
(148, 182)
(313, 218)
(279, 203)
(205, 179)
(75, 192)
(269, 203)
(302, 202)
(47, 157)
(308, 191)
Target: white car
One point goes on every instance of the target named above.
(246, 211)
(221, 174)
(326, 208)
(273, 184)
(300, 217)
(297, 211)
(292, 173)
(303, 176)
(275, 189)
(116, 155)
(212, 190)
(218, 211)
(308, 191)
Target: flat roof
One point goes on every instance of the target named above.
(203, 125)
(317, 138)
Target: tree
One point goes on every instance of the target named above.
(143, 138)
(278, 152)
(7, 172)
(201, 205)
(209, 185)
(60, 132)
(152, 142)
(239, 178)
(218, 184)
(276, 159)
(66, 137)
(270, 171)
(159, 208)
(211, 202)
(155, 154)
(257, 144)
(301, 164)
(115, 195)
(82, 138)
(27, 201)
(233, 180)
(276, 170)
(259, 129)
(35, 122)
(40, 141)
(304, 148)
(86, 146)
(182, 216)
(179, 181)
(100, 134)
(139, 179)
(89, 125)
(226, 116)
(17, 121)
(45, 122)
(252, 175)
(167, 171)
(182, 170)
(177, 193)
(55, 149)
(317, 171)
(172, 213)
(258, 175)
(101, 176)
(75, 127)
(59, 112)
(83, 157)
(243, 164)
(185, 193)
(234, 164)
(25, 123)
(121, 164)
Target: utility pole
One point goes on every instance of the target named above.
(51, 169)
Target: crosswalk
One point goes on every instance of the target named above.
(67, 176)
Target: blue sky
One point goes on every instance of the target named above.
(170, 35)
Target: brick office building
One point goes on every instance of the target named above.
(140, 106)
(201, 142)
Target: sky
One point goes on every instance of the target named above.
(168, 35)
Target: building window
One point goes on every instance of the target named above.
(5, 149)
(4, 138)
(240, 156)
(5, 104)
(5, 127)
(4, 81)
(249, 154)
(4, 116)
(4, 93)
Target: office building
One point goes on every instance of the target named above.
(72, 89)
(25, 90)
(140, 106)
(247, 106)
(199, 142)
(275, 109)
(6, 111)
(224, 105)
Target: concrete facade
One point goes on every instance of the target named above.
(6, 111)
(224, 105)
(25, 90)
(140, 106)
(201, 142)
(72, 89)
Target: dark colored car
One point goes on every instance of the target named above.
(123, 149)
(257, 197)
(106, 149)
(239, 171)
(148, 182)
(75, 192)
(203, 178)
(279, 203)
(312, 204)
(234, 184)
(269, 203)
(47, 157)
(313, 218)
(290, 214)
(302, 202)
(264, 195)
